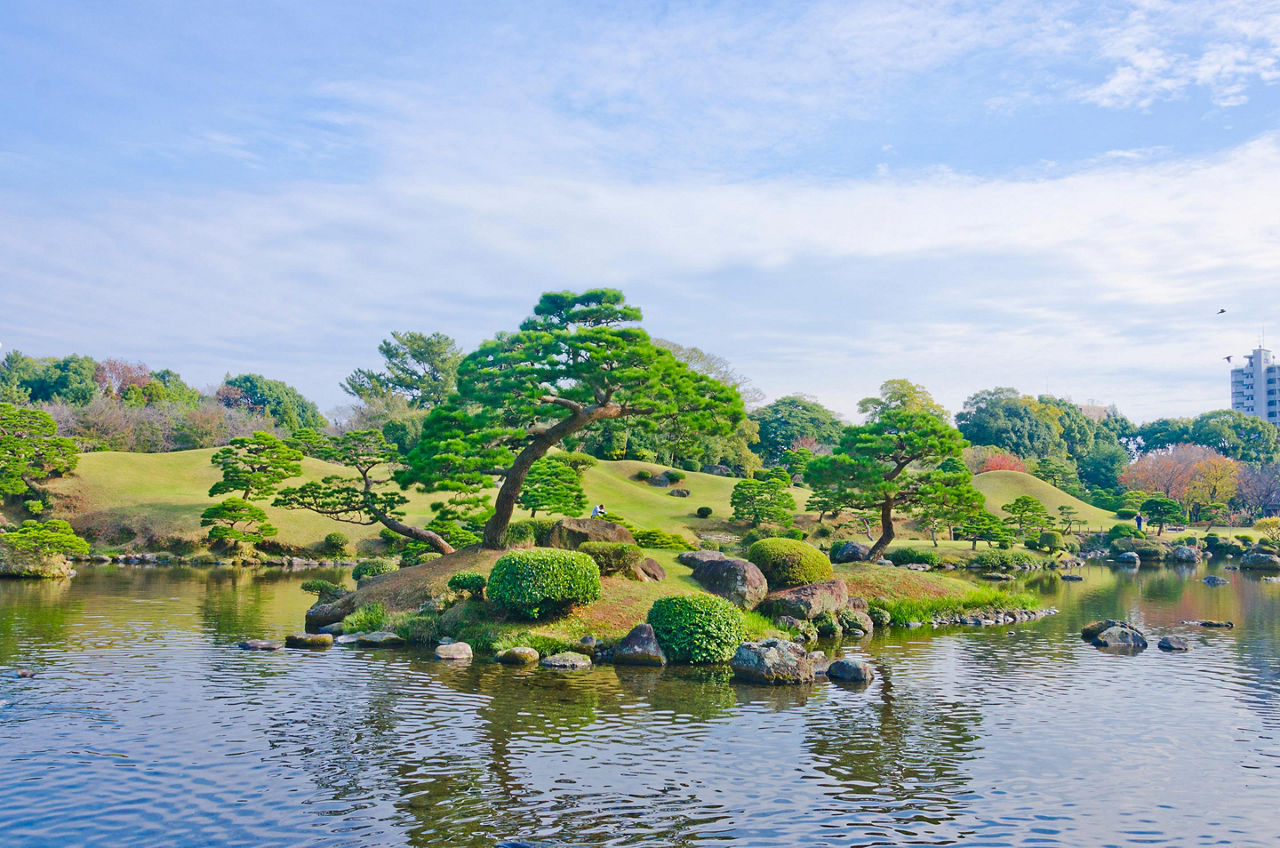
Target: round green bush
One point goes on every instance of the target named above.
(789, 562)
(335, 543)
(673, 475)
(1126, 513)
(1051, 540)
(613, 557)
(644, 474)
(912, 556)
(697, 628)
(704, 512)
(373, 567)
(538, 583)
(469, 583)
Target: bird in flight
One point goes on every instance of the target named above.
(1220, 311)
(1228, 358)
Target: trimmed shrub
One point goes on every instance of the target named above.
(697, 628)
(662, 540)
(416, 553)
(1125, 531)
(539, 583)
(391, 538)
(1051, 540)
(704, 512)
(335, 543)
(644, 474)
(792, 533)
(1244, 538)
(468, 583)
(519, 534)
(613, 557)
(539, 527)
(673, 475)
(372, 568)
(367, 619)
(690, 464)
(1126, 513)
(325, 591)
(910, 556)
(1004, 560)
(789, 562)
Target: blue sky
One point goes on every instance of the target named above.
(1053, 196)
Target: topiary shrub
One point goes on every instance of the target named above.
(538, 583)
(536, 529)
(662, 540)
(325, 592)
(704, 512)
(1001, 560)
(912, 556)
(697, 628)
(792, 533)
(335, 544)
(789, 562)
(1244, 538)
(416, 553)
(1125, 531)
(613, 557)
(673, 475)
(372, 568)
(519, 535)
(644, 474)
(1126, 513)
(367, 619)
(468, 583)
(1051, 540)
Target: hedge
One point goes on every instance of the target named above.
(541, 582)
(789, 562)
(697, 628)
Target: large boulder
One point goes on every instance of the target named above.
(854, 671)
(519, 655)
(1260, 559)
(380, 639)
(454, 651)
(1173, 643)
(261, 645)
(323, 614)
(567, 661)
(308, 640)
(810, 601)
(568, 533)
(15, 563)
(735, 580)
(639, 647)
(695, 558)
(1120, 638)
(850, 552)
(1092, 629)
(1186, 553)
(1128, 558)
(773, 661)
(653, 569)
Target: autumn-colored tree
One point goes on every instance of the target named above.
(115, 376)
(1003, 462)
(1168, 472)
(1213, 481)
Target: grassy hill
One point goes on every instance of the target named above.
(1001, 487)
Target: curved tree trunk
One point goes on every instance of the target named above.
(420, 534)
(886, 531)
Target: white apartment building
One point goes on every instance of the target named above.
(1255, 387)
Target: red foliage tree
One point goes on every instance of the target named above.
(1003, 462)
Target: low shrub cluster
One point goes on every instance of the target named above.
(662, 540)
(789, 562)
(468, 583)
(538, 583)
(704, 512)
(1005, 560)
(367, 619)
(325, 591)
(673, 475)
(335, 544)
(697, 628)
(912, 556)
(644, 474)
(372, 568)
(416, 553)
(1125, 531)
(613, 557)
(1126, 513)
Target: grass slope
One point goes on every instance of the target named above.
(162, 494)
(1002, 487)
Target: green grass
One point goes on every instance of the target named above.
(1002, 487)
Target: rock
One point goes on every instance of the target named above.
(1128, 558)
(639, 647)
(589, 642)
(996, 576)
(820, 662)
(718, 470)
(857, 603)
(24, 674)
(1220, 624)
(854, 671)
(32, 564)
(568, 533)
(888, 562)
(772, 661)
(695, 558)
(849, 552)
(566, 661)
(454, 651)
(1260, 559)
(308, 640)
(1120, 638)
(348, 639)
(865, 624)
(332, 629)
(1072, 578)
(808, 602)
(1186, 553)
(518, 656)
(653, 569)
(260, 645)
(321, 614)
(1173, 643)
(735, 580)
(1091, 630)
(380, 639)
(679, 493)
(1215, 580)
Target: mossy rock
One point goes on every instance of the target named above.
(32, 564)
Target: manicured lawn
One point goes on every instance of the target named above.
(1002, 487)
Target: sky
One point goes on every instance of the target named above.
(1053, 196)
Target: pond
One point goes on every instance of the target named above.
(145, 725)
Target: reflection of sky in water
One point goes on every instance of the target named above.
(145, 725)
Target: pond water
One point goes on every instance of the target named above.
(145, 725)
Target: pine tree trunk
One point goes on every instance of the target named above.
(886, 531)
